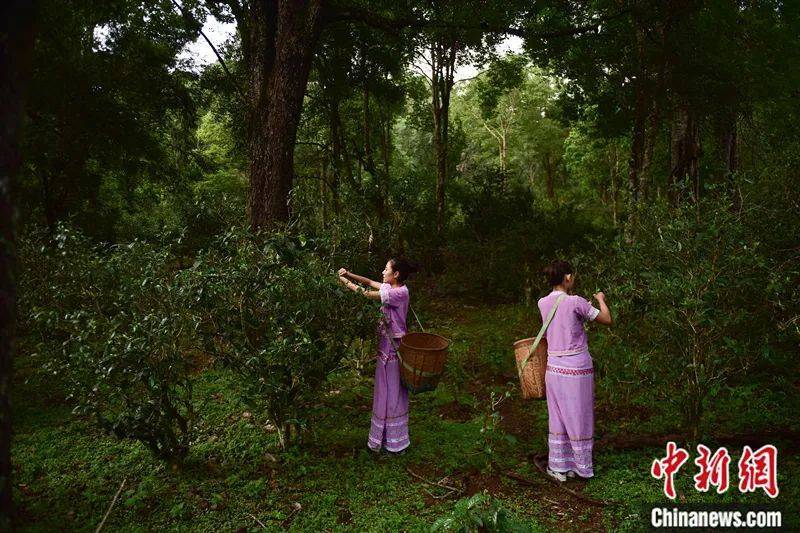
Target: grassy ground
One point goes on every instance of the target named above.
(67, 472)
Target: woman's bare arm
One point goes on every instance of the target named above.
(605, 315)
(361, 279)
(372, 295)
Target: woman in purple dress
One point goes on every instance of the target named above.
(390, 399)
(569, 379)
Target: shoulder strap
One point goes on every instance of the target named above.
(541, 332)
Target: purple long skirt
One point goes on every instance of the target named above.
(569, 381)
(389, 402)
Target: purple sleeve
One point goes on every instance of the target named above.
(392, 297)
(585, 310)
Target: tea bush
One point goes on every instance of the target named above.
(689, 302)
(273, 312)
(113, 327)
(122, 329)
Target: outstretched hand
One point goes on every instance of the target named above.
(343, 272)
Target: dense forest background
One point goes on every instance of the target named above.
(176, 223)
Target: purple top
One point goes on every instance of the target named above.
(565, 335)
(394, 308)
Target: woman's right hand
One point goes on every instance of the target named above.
(343, 272)
(600, 297)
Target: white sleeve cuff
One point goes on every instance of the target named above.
(384, 290)
(593, 312)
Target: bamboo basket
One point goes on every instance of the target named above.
(532, 376)
(422, 359)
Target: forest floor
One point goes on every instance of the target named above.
(67, 472)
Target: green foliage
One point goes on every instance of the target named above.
(498, 221)
(479, 513)
(274, 312)
(689, 300)
(114, 327)
(123, 329)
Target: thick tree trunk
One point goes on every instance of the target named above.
(279, 40)
(16, 47)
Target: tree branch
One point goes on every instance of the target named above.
(394, 25)
(188, 16)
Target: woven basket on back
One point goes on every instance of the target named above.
(422, 358)
(532, 376)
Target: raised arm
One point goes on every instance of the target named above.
(605, 315)
(372, 295)
(361, 279)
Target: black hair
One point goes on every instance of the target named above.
(403, 267)
(555, 272)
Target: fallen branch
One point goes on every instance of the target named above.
(296, 507)
(260, 523)
(537, 461)
(438, 484)
(114, 501)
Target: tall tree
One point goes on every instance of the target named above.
(279, 39)
(16, 46)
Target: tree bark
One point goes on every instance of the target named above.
(443, 59)
(17, 19)
(685, 153)
(636, 163)
(279, 38)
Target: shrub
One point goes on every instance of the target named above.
(689, 303)
(113, 326)
(274, 312)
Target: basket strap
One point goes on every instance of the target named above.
(536, 342)
(416, 317)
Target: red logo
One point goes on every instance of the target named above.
(669, 466)
(757, 469)
(713, 469)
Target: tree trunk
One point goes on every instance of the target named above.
(369, 158)
(614, 187)
(443, 58)
(685, 153)
(548, 166)
(341, 158)
(16, 47)
(636, 162)
(278, 44)
(387, 144)
(504, 149)
(729, 151)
